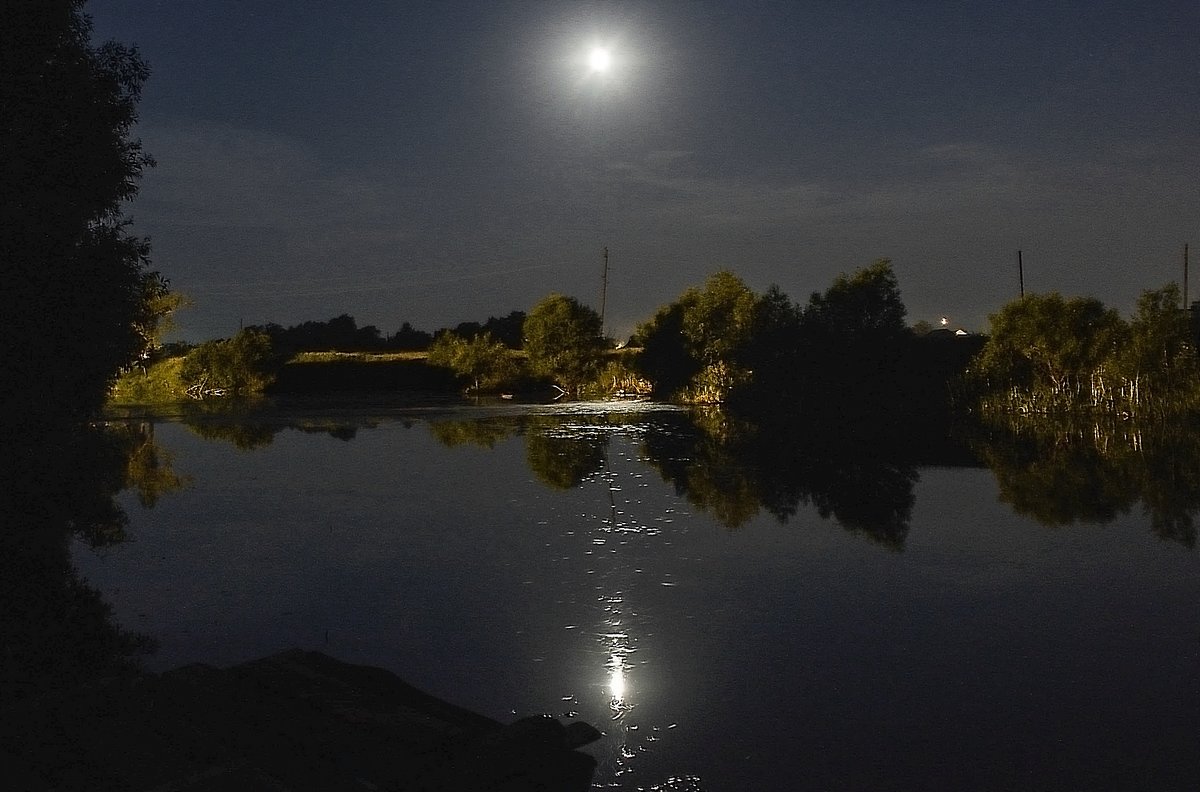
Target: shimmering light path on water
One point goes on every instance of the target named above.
(553, 566)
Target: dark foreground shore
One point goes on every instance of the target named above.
(293, 721)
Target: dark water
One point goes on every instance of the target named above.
(613, 566)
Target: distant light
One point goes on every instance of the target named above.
(945, 321)
(600, 59)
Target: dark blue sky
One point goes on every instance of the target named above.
(442, 162)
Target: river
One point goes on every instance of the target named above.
(877, 625)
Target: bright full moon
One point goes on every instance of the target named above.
(599, 60)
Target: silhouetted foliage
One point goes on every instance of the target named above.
(408, 338)
(846, 355)
(772, 354)
(853, 342)
(339, 334)
(509, 329)
(466, 330)
(664, 358)
(932, 380)
(78, 300)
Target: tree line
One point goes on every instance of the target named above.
(1049, 354)
(844, 352)
(342, 334)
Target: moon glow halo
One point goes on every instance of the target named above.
(599, 60)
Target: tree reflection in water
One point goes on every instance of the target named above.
(1061, 471)
(564, 455)
(733, 469)
(863, 477)
(730, 468)
(58, 632)
(483, 433)
(860, 473)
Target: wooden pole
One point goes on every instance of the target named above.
(604, 291)
(1021, 273)
(1185, 276)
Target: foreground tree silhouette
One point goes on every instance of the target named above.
(77, 296)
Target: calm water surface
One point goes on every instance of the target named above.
(518, 563)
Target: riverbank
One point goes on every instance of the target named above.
(408, 375)
(292, 721)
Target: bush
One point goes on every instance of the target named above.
(238, 366)
(485, 362)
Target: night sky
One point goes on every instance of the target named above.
(443, 162)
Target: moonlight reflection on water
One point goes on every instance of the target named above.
(930, 635)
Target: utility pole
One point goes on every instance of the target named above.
(1021, 273)
(604, 291)
(1185, 276)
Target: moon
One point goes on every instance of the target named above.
(599, 59)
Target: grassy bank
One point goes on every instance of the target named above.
(310, 373)
(160, 383)
(305, 373)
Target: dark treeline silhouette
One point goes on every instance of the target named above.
(505, 329)
(342, 334)
(845, 355)
(410, 339)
